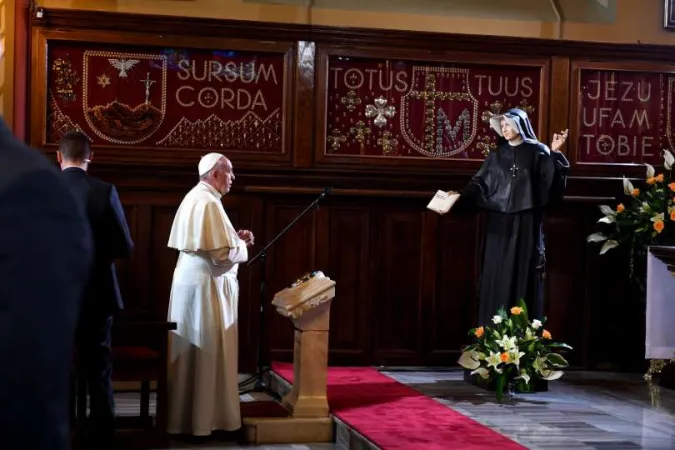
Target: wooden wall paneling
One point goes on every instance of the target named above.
(616, 322)
(343, 253)
(558, 116)
(454, 307)
(397, 259)
(143, 236)
(564, 293)
(293, 255)
(430, 244)
(126, 268)
(247, 212)
(163, 259)
(406, 277)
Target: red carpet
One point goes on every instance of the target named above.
(395, 416)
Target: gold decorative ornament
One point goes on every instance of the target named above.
(388, 143)
(495, 108)
(485, 144)
(656, 366)
(529, 109)
(335, 139)
(351, 100)
(66, 79)
(103, 80)
(360, 131)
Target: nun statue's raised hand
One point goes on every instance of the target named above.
(515, 184)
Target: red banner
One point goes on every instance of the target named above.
(176, 98)
(623, 116)
(411, 109)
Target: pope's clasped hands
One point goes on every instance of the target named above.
(247, 237)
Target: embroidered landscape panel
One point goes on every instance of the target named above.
(226, 100)
(417, 109)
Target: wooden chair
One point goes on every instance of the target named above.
(139, 354)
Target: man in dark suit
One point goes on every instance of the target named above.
(45, 261)
(102, 298)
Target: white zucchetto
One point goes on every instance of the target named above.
(208, 162)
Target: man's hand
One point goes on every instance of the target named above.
(558, 140)
(247, 237)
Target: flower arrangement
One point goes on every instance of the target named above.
(514, 350)
(645, 217)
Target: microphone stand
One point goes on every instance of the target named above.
(260, 385)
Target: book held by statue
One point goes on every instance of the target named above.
(442, 202)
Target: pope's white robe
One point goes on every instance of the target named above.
(203, 386)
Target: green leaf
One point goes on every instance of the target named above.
(524, 315)
(557, 360)
(554, 344)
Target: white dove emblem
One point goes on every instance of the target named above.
(123, 65)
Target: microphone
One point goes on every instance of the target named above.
(326, 191)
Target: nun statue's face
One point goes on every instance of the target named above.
(508, 131)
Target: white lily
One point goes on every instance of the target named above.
(607, 219)
(469, 360)
(528, 334)
(493, 361)
(536, 323)
(596, 237)
(497, 320)
(507, 343)
(514, 357)
(538, 364)
(627, 186)
(551, 375)
(606, 210)
(645, 208)
(668, 160)
(607, 246)
(523, 376)
(650, 171)
(483, 372)
(658, 217)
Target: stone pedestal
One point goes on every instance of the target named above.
(660, 333)
(307, 304)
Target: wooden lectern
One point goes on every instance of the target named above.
(307, 304)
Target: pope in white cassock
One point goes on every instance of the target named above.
(203, 387)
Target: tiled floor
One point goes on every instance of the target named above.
(583, 410)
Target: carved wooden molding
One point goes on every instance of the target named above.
(308, 50)
(161, 25)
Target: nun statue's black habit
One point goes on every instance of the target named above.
(514, 185)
